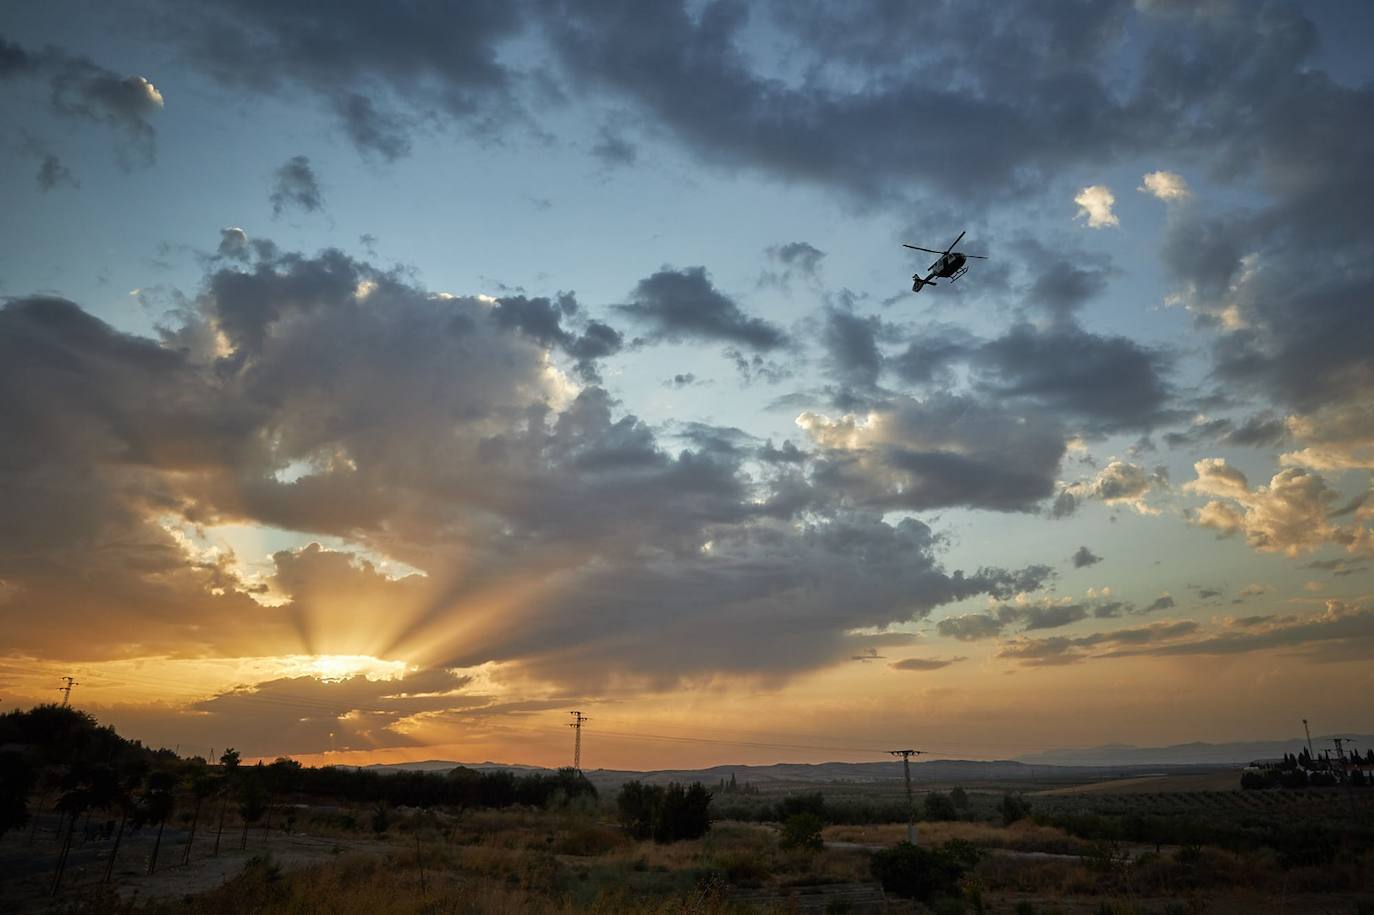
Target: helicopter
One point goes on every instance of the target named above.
(949, 265)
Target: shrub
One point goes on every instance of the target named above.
(939, 807)
(664, 814)
(794, 804)
(919, 873)
(802, 830)
(1013, 807)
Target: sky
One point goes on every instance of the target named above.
(384, 382)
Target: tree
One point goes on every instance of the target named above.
(202, 785)
(960, 797)
(1013, 807)
(664, 814)
(252, 800)
(17, 779)
(938, 806)
(802, 831)
(229, 759)
(130, 783)
(158, 804)
(923, 873)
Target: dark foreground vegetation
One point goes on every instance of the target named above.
(227, 837)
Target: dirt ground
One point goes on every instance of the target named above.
(27, 866)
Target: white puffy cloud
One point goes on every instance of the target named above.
(1291, 515)
(1119, 483)
(1095, 204)
(1165, 186)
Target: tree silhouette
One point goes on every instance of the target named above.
(157, 806)
(252, 800)
(229, 759)
(202, 785)
(130, 783)
(16, 781)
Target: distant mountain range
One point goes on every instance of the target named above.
(1108, 761)
(1185, 754)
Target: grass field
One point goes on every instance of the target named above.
(1078, 854)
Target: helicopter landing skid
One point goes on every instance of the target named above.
(960, 272)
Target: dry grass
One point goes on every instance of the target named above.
(1021, 836)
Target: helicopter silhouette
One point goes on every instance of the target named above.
(949, 265)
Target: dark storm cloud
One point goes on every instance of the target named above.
(382, 71)
(233, 244)
(373, 131)
(1260, 430)
(946, 450)
(798, 255)
(1112, 383)
(932, 352)
(851, 346)
(542, 319)
(1063, 279)
(870, 137)
(677, 305)
(14, 60)
(82, 88)
(321, 395)
(1084, 557)
(295, 186)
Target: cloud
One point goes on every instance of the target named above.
(1095, 204)
(851, 346)
(52, 174)
(233, 244)
(1119, 483)
(1164, 186)
(926, 663)
(679, 305)
(545, 529)
(1112, 383)
(1291, 515)
(1060, 650)
(382, 76)
(613, 149)
(1084, 557)
(943, 451)
(296, 187)
(81, 88)
(373, 131)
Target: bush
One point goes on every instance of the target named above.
(939, 807)
(664, 814)
(802, 830)
(920, 873)
(1013, 807)
(794, 804)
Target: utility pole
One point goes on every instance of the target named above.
(576, 725)
(66, 691)
(910, 805)
(1310, 753)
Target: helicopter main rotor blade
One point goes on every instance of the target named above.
(928, 250)
(981, 257)
(955, 242)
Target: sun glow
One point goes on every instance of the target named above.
(342, 666)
